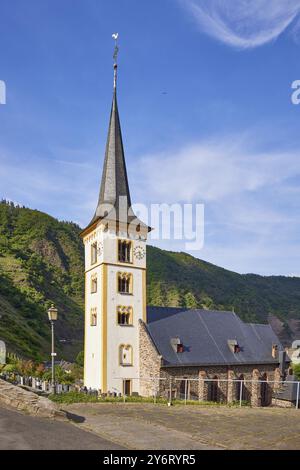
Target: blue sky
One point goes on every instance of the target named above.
(205, 104)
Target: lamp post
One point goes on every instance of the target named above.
(52, 315)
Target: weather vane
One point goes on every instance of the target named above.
(115, 37)
(115, 56)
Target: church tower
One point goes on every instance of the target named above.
(115, 274)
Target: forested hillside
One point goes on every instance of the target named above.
(41, 261)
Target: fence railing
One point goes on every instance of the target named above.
(240, 392)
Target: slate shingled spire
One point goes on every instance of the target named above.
(114, 202)
(114, 184)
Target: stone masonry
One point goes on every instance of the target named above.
(22, 400)
(228, 380)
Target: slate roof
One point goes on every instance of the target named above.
(205, 334)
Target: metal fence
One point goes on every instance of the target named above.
(204, 391)
(238, 392)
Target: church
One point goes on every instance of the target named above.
(130, 348)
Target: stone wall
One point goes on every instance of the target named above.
(150, 364)
(282, 403)
(226, 387)
(28, 402)
(231, 381)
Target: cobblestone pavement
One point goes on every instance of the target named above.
(147, 426)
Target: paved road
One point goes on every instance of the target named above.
(22, 432)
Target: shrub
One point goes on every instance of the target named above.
(80, 359)
(61, 376)
(296, 370)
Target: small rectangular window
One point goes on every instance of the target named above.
(124, 251)
(94, 284)
(94, 253)
(93, 320)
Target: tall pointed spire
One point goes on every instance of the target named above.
(114, 183)
(114, 202)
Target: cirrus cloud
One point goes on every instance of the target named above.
(244, 23)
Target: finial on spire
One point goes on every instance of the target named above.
(115, 57)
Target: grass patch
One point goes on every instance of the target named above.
(77, 397)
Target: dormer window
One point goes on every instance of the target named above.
(124, 251)
(177, 345)
(234, 346)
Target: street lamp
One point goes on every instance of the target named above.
(52, 315)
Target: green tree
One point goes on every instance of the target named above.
(190, 300)
(61, 376)
(80, 359)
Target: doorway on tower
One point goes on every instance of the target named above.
(126, 387)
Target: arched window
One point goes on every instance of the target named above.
(124, 315)
(94, 284)
(124, 283)
(213, 389)
(93, 320)
(125, 355)
(94, 253)
(124, 251)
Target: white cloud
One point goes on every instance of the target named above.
(244, 23)
(65, 188)
(251, 214)
(214, 170)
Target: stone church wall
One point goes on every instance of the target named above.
(227, 389)
(150, 364)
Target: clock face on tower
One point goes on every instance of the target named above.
(139, 252)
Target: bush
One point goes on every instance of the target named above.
(10, 368)
(61, 376)
(79, 397)
(73, 397)
(296, 370)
